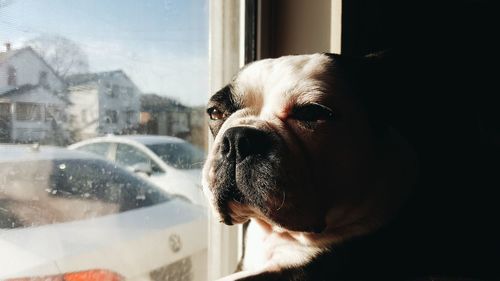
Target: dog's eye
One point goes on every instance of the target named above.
(312, 113)
(216, 114)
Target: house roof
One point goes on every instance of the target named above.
(11, 90)
(156, 103)
(5, 56)
(83, 78)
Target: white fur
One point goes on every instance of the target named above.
(274, 248)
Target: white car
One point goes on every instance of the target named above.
(169, 162)
(69, 215)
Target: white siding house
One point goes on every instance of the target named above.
(103, 103)
(171, 118)
(32, 99)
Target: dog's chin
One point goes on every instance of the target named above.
(239, 213)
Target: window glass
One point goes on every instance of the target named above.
(42, 80)
(101, 148)
(130, 91)
(81, 71)
(111, 116)
(68, 190)
(53, 112)
(4, 109)
(12, 76)
(131, 116)
(5, 117)
(83, 115)
(115, 90)
(29, 111)
(127, 155)
(179, 155)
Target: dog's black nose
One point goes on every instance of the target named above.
(240, 142)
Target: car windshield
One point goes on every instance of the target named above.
(180, 155)
(34, 193)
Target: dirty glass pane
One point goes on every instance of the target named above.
(127, 155)
(79, 189)
(179, 155)
(101, 148)
(102, 138)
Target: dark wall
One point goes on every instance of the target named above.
(438, 86)
(380, 24)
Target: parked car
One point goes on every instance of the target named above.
(169, 162)
(70, 215)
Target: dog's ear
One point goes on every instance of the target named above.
(369, 80)
(362, 73)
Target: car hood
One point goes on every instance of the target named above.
(194, 174)
(104, 242)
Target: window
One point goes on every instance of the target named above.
(42, 78)
(12, 76)
(4, 109)
(130, 91)
(101, 148)
(178, 154)
(128, 156)
(53, 112)
(29, 111)
(115, 91)
(111, 116)
(5, 121)
(107, 63)
(131, 116)
(83, 115)
(107, 87)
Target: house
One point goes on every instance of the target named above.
(162, 115)
(199, 127)
(102, 103)
(32, 99)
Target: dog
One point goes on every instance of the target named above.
(314, 152)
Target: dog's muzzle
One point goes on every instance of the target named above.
(241, 149)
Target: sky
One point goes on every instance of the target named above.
(161, 44)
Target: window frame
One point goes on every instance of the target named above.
(111, 116)
(34, 112)
(43, 78)
(11, 76)
(239, 34)
(226, 57)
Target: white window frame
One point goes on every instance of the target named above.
(226, 53)
(226, 57)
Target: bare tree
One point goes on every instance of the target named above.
(62, 54)
(5, 3)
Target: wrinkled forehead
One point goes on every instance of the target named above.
(292, 79)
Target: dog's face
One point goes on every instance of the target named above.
(293, 146)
